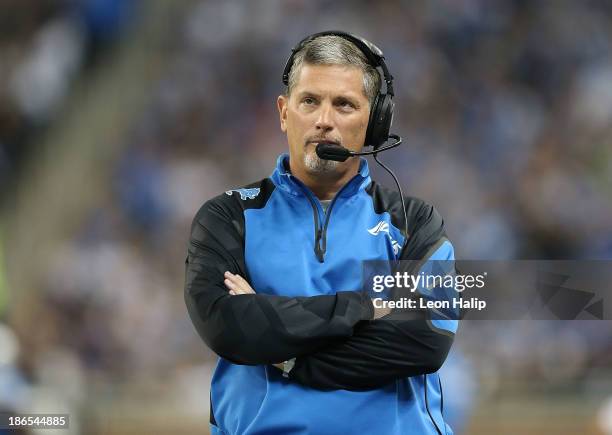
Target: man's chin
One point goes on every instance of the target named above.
(315, 165)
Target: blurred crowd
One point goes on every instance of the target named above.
(44, 46)
(505, 108)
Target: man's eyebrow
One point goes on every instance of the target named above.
(354, 100)
(348, 98)
(307, 94)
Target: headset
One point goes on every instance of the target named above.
(381, 115)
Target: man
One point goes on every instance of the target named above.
(273, 268)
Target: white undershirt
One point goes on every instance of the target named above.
(325, 203)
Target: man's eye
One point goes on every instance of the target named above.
(308, 100)
(346, 105)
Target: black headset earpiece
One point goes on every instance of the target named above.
(381, 117)
(381, 113)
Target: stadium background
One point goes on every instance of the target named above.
(118, 118)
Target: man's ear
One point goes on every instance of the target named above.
(281, 102)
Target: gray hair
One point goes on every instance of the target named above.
(335, 50)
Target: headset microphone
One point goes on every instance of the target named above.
(337, 153)
(331, 151)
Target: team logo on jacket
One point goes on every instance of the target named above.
(245, 193)
(383, 227)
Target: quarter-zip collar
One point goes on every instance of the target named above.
(283, 179)
(290, 184)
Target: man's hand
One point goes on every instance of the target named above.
(381, 312)
(237, 285)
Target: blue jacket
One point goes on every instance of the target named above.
(352, 374)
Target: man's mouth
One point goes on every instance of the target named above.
(325, 141)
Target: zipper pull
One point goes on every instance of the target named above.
(318, 251)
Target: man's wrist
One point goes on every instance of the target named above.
(288, 366)
(285, 366)
(372, 312)
(381, 312)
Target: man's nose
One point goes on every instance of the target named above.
(325, 119)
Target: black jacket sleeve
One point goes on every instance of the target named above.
(259, 328)
(384, 350)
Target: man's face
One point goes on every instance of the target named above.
(327, 104)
